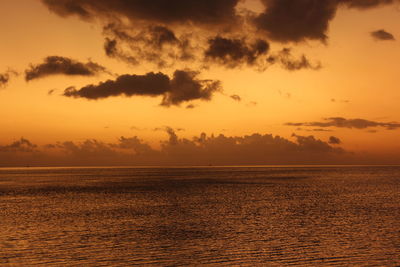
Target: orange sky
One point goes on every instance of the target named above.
(359, 72)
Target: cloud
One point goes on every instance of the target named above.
(382, 35)
(54, 65)
(334, 100)
(340, 122)
(236, 98)
(235, 52)
(6, 76)
(300, 20)
(21, 145)
(161, 11)
(4, 79)
(288, 20)
(153, 44)
(199, 150)
(112, 50)
(313, 130)
(252, 104)
(310, 143)
(289, 62)
(183, 87)
(334, 140)
(51, 91)
(168, 33)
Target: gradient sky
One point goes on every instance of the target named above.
(343, 92)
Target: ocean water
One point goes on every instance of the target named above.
(246, 216)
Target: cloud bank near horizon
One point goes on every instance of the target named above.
(252, 149)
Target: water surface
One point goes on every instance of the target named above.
(246, 216)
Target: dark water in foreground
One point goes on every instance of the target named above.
(200, 216)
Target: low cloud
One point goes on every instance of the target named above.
(184, 86)
(333, 140)
(22, 145)
(56, 65)
(199, 150)
(340, 122)
(382, 35)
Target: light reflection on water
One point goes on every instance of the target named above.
(199, 216)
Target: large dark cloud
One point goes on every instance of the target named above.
(296, 20)
(161, 11)
(299, 20)
(382, 35)
(196, 34)
(182, 87)
(54, 65)
(235, 52)
(172, 32)
(348, 123)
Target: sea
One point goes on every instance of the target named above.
(200, 216)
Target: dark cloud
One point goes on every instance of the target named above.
(313, 130)
(296, 20)
(253, 149)
(300, 20)
(205, 150)
(140, 32)
(236, 98)
(348, 123)
(235, 52)
(183, 87)
(362, 4)
(51, 91)
(4, 79)
(320, 130)
(154, 44)
(22, 145)
(382, 35)
(252, 104)
(161, 11)
(186, 87)
(334, 100)
(291, 63)
(54, 65)
(310, 143)
(6, 76)
(333, 140)
(112, 50)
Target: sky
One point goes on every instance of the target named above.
(221, 82)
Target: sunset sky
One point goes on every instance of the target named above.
(137, 82)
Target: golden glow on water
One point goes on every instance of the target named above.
(183, 216)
